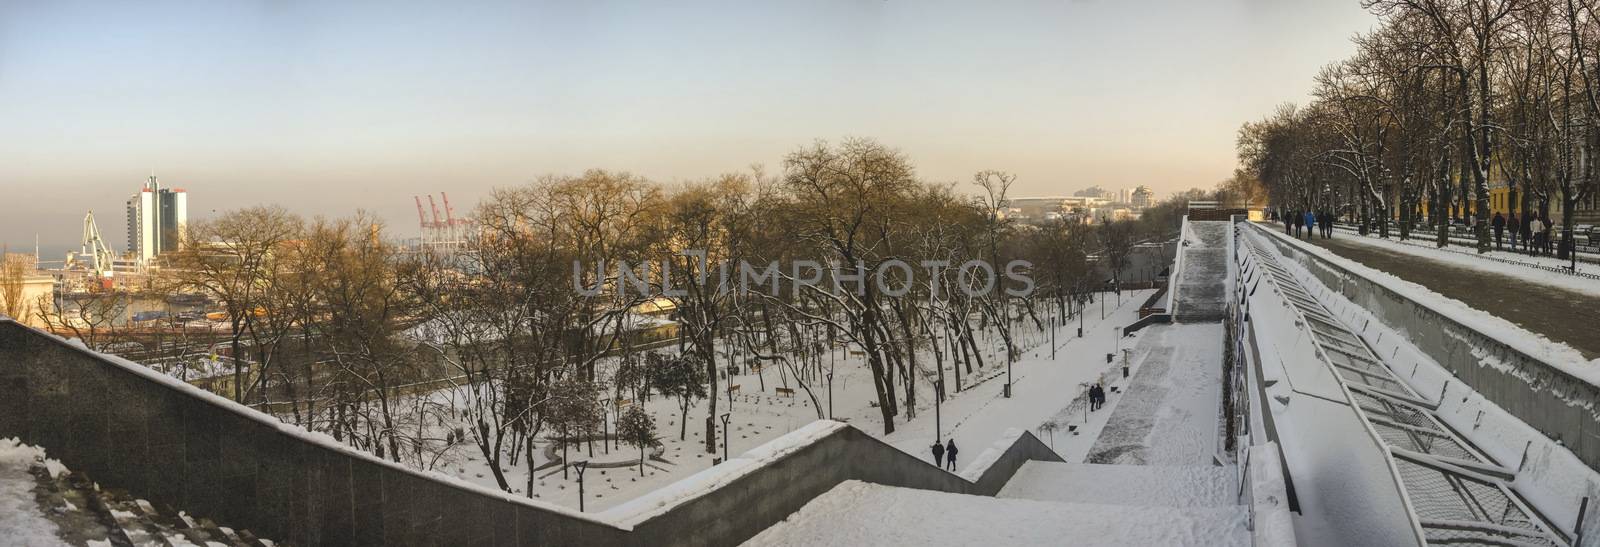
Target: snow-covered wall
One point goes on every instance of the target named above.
(1542, 383)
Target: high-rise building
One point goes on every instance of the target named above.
(1143, 197)
(156, 220)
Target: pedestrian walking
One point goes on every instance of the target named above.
(1299, 223)
(938, 454)
(1516, 227)
(1311, 224)
(1499, 224)
(950, 455)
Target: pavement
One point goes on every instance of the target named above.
(1558, 314)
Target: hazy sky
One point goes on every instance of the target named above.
(330, 106)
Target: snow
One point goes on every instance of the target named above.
(1269, 510)
(660, 501)
(858, 513)
(977, 416)
(1150, 485)
(981, 464)
(316, 438)
(1556, 354)
(1168, 414)
(1341, 476)
(21, 520)
(1549, 476)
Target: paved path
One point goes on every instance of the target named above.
(1558, 314)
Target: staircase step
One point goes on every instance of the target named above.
(1136, 485)
(858, 513)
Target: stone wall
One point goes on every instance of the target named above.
(1561, 406)
(130, 428)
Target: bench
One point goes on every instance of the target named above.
(624, 403)
(733, 388)
(786, 392)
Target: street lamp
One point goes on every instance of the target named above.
(830, 394)
(583, 465)
(725, 417)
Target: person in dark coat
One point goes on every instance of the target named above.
(1499, 224)
(1515, 226)
(1549, 235)
(950, 451)
(938, 454)
(1299, 223)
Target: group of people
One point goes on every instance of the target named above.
(1097, 397)
(1531, 233)
(1311, 222)
(946, 453)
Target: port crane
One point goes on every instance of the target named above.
(94, 246)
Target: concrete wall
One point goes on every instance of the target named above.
(1558, 404)
(175, 445)
(749, 504)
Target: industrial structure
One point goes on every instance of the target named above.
(447, 235)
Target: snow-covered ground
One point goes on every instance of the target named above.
(975, 417)
(858, 513)
(21, 520)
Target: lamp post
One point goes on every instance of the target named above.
(1008, 370)
(938, 397)
(830, 394)
(583, 465)
(725, 417)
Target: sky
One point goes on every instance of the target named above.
(330, 107)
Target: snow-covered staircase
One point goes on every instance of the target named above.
(1199, 293)
(1133, 485)
(860, 513)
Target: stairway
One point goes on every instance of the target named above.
(1133, 485)
(1199, 294)
(1045, 503)
(860, 513)
(87, 514)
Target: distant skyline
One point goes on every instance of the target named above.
(330, 107)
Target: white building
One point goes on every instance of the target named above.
(156, 219)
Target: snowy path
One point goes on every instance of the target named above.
(1043, 388)
(1169, 413)
(1157, 485)
(858, 513)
